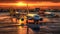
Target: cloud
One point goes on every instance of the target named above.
(3, 1)
(46, 0)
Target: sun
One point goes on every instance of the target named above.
(21, 4)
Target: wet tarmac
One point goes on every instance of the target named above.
(8, 27)
(32, 29)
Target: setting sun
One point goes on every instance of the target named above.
(21, 4)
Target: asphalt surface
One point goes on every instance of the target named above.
(9, 27)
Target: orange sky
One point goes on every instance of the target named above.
(30, 4)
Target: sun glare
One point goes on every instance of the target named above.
(21, 4)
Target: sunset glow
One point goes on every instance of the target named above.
(21, 4)
(30, 4)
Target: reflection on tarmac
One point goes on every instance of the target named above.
(8, 27)
(33, 29)
(16, 30)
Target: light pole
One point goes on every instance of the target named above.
(27, 19)
(11, 14)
